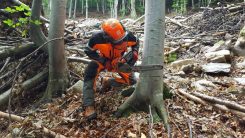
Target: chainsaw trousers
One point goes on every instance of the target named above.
(91, 73)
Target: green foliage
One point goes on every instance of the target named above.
(180, 6)
(21, 23)
(171, 58)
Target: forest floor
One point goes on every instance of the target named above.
(188, 40)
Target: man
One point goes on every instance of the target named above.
(108, 48)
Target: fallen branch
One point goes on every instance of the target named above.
(199, 100)
(5, 64)
(229, 104)
(77, 59)
(21, 119)
(177, 23)
(40, 77)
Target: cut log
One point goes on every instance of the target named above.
(37, 126)
(40, 77)
(229, 104)
(17, 52)
(218, 106)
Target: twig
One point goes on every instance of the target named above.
(5, 64)
(21, 119)
(150, 122)
(104, 136)
(189, 126)
(17, 69)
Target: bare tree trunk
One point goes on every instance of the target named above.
(111, 8)
(115, 8)
(193, 4)
(133, 11)
(123, 8)
(58, 72)
(86, 9)
(103, 6)
(82, 6)
(70, 9)
(75, 9)
(97, 6)
(149, 88)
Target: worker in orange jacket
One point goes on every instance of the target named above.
(106, 49)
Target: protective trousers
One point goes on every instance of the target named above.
(91, 73)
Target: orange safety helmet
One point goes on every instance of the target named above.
(114, 29)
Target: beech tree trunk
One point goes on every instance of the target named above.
(149, 88)
(103, 6)
(123, 8)
(86, 9)
(82, 6)
(70, 9)
(133, 11)
(115, 8)
(58, 72)
(75, 9)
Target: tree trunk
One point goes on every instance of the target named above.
(36, 33)
(70, 9)
(58, 75)
(115, 8)
(75, 9)
(82, 6)
(86, 9)
(103, 6)
(123, 8)
(192, 4)
(133, 11)
(112, 10)
(97, 6)
(149, 88)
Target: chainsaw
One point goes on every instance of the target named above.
(124, 67)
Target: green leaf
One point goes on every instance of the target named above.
(24, 33)
(172, 57)
(23, 20)
(37, 22)
(27, 13)
(17, 24)
(25, 7)
(10, 10)
(9, 22)
(19, 8)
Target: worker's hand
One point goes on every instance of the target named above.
(117, 62)
(135, 56)
(108, 65)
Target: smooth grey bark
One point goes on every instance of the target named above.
(70, 9)
(82, 6)
(193, 4)
(97, 6)
(103, 6)
(133, 11)
(111, 9)
(58, 72)
(123, 8)
(75, 9)
(86, 9)
(115, 8)
(149, 88)
(36, 33)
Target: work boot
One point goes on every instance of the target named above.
(105, 84)
(90, 113)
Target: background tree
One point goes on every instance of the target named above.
(70, 9)
(149, 88)
(58, 75)
(133, 11)
(75, 9)
(115, 8)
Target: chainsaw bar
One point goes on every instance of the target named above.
(140, 68)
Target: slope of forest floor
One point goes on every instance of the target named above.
(188, 40)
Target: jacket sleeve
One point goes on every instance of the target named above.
(93, 53)
(132, 38)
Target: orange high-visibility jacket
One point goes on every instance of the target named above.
(100, 47)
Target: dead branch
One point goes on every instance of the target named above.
(199, 100)
(17, 51)
(77, 59)
(21, 119)
(40, 77)
(177, 23)
(229, 104)
(5, 64)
